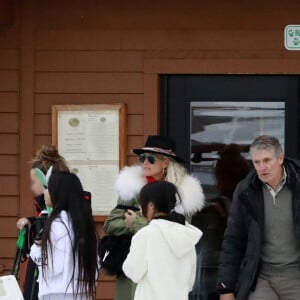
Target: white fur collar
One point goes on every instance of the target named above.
(131, 181)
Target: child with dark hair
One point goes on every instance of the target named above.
(67, 255)
(162, 257)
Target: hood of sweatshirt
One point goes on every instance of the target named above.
(180, 238)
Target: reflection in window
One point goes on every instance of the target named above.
(221, 133)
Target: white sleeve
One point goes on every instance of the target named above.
(36, 254)
(193, 270)
(135, 265)
(61, 241)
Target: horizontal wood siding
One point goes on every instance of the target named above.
(9, 141)
(93, 52)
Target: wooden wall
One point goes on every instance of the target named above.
(9, 141)
(88, 51)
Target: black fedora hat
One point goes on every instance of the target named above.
(160, 145)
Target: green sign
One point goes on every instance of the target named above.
(292, 37)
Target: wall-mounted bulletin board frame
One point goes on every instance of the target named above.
(93, 140)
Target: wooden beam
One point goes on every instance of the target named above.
(7, 12)
(26, 103)
(151, 105)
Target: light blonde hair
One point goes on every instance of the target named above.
(175, 172)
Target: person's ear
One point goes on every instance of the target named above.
(151, 206)
(166, 163)
(281, 158)
(150, 211)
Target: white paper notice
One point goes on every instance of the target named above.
(100, 181)
(89, 141)
(89, 135)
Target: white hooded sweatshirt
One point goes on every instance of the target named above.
(60, 266)
(162, 260)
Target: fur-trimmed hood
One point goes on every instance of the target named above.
(131, 181)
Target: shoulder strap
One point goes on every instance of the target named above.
(126, 207)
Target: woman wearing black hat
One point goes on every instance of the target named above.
(158, 162)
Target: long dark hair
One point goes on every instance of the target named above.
(165, 197)
(67, 194)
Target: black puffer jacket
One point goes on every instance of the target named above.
(241, 250)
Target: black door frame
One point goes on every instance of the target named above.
(177, 91)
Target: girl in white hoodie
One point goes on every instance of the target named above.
(67, 255)
(162, 257)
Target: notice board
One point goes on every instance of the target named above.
(92, 139)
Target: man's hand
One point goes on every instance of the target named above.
(22, 222)
(227, 297)
(130, 216)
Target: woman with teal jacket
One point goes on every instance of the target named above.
(158, 162)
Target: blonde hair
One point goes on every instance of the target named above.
(48, 156)
(175, 172)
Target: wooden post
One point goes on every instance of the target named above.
(26, 102)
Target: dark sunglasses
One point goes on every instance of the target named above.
(151, 158)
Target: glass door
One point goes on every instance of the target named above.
(213, 119)
(220, 136)
(222, 130)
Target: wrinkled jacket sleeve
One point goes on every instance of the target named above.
(135, 265)
(233, 248)
(59, 239)
(36, 254)
(115, 222)
(193, 270)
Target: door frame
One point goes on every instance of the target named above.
(188, 87)
(202, 65)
